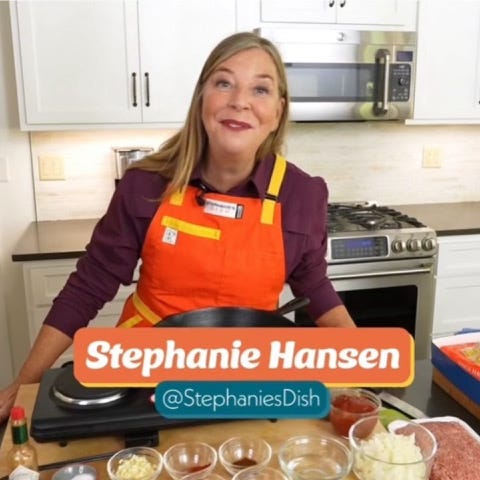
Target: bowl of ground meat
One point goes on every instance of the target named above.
(458, 447)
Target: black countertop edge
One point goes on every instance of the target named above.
(29, 257)
(451, 233)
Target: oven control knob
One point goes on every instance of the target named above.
(429, 243)
(414, 245)
(398, 246)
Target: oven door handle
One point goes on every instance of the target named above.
(386, 273)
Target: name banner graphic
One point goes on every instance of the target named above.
(333, 356)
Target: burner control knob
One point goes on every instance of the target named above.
(398, 246)
(414, 245)
(429, 243)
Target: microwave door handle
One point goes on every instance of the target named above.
(380, 107)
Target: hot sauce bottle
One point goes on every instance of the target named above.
(22, 458)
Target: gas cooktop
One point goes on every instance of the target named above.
(354, 217)
(360, 231)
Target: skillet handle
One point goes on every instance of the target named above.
(293, 305)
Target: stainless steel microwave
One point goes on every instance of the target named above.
(346, 75)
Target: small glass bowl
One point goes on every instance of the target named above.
(260, 473)
(315, 457)
(80, 470)
(379, 455)
(238, 453)
(347, 405)
(146, 464)
(186, 458)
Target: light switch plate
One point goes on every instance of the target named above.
(51, 167)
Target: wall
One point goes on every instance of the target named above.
(376, 161)
(16, 212)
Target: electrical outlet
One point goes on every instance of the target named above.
(432, 157)
(51, 167)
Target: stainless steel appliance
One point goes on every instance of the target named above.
(347, 75)
(381, 263)
(125, 156)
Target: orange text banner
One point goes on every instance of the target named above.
(333, 356)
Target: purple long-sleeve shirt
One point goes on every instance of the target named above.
(116, 244)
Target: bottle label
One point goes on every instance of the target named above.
(23, 473)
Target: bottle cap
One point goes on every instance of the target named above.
(17, 413)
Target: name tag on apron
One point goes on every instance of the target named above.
(223, 209)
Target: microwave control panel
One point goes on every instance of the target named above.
(400, 75)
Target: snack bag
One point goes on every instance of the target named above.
(467, 355)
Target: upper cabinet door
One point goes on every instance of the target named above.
(175, 39)
(363, 14)
(76, 61)
(377, 12)
(447, 87)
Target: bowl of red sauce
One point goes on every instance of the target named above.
(348, 405)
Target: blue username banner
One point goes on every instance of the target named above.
(243, 399)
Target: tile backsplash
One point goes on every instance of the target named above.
(376, 161)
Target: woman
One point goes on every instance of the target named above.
(217, 216)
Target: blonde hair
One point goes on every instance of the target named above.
(177, 157)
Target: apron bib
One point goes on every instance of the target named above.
(229, 251)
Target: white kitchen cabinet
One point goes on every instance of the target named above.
(363, 14)
(117, 62)
(457, 291)
(43, 281)
(447, 85)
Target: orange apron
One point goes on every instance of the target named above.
(228, 252)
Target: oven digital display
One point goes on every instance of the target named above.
(361, 247)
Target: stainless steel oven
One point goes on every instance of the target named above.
(396, 293)
(381, 263)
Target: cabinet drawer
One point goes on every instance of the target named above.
(44, 282)
(456, 304)
(459, 256)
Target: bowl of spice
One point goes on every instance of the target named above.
(186, 458)
(135, 463)
(348, 405)
(238, 453)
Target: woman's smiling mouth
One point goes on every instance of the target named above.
(235, 124)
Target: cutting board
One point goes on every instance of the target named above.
(274, 432)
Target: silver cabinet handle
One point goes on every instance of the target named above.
(134, 89)
(147, 89)
(331, 3)
(380, 107)
(387, 273)
(342, 3)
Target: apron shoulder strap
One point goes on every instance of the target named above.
(271, 197)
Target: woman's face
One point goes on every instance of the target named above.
(241, 104)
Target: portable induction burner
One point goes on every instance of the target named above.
(64, 410)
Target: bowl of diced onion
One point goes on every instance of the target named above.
(404, 454)
(135, 463)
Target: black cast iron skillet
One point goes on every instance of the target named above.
(235, 316)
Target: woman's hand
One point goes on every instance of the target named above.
(7, 397)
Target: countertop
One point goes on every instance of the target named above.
(274, 432)
(67, 238)
(446, 218)
(54, 239)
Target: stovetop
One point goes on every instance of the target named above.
(365, 231)
(132, 416)
(354, 217)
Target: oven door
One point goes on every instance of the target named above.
(394, 293)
